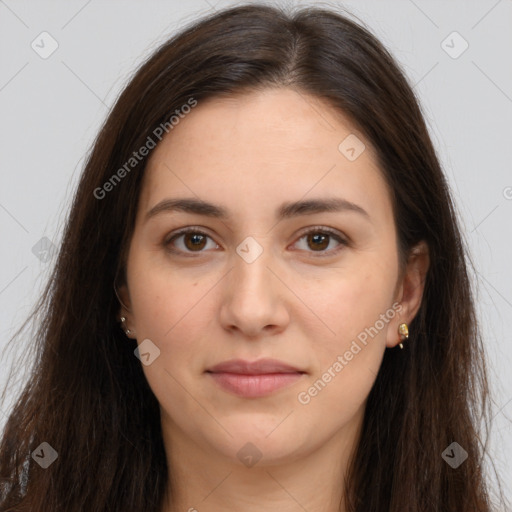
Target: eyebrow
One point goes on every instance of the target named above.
(285, 211)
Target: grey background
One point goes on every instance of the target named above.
(52, 108)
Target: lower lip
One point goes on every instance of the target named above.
(254, 386)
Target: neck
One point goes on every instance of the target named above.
(202, 479)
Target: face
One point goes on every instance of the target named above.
(314, 289)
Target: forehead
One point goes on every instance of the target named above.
(262, 148)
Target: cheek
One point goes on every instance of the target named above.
(348, 354)
(171, 310)
(351, 304)
(347, 360)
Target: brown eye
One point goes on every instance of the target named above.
(318, 241)
(194, 241)
(323, 241)
(189, 241)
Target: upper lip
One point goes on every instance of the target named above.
(262, 366)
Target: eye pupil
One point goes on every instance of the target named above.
(320, 241)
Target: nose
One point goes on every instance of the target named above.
(254, 299)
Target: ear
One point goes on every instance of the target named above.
(409, 291)
(125, 308)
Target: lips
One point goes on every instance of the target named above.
(254, 379)
(260, 367)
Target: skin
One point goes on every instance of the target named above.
(251, 153)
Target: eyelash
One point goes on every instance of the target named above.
(315, 230)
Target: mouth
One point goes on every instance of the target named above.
(254, 379)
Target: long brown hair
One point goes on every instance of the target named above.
(87, 396)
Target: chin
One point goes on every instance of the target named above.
(260, 440)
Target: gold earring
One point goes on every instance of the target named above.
(125, 328)
(403, 330)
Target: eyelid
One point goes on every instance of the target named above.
(340, 238)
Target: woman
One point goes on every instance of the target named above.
(261, 301)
